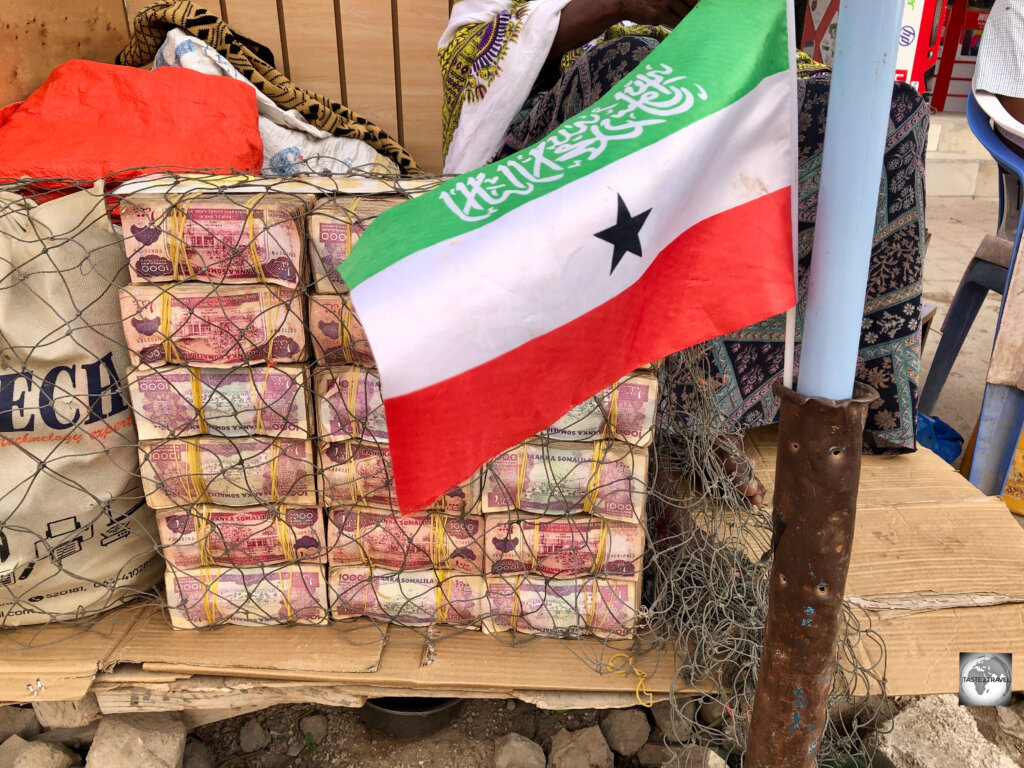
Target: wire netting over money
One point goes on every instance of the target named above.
(190, 417)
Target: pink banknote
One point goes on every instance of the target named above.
(411, 598)
(397, 541)
(180, 401)
(604, 478)
(287, 594)
(623, 411)
(562, 607)
(359, 474)
(349, 404)
(236, 472)
(215, 238)
(218, 326)
(336, 334)
(229, 536)
(334, 228)
(563, 547)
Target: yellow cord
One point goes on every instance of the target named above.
(197, 399)
(170, 348)
(521, 478)
(630, 668)
(209, 577)
(202, 526)
(594, 481)
(250, 226)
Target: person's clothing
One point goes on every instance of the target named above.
(747, 363)
(492, 60)
(153, 22)
(1000, 67)
(587, 77)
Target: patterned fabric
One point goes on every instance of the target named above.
(746, 364)
(152, 23)
(472, 61)
(588, 77)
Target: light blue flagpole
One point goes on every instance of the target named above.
(858, 117)
(821, 426)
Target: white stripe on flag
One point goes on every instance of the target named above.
(430, 318)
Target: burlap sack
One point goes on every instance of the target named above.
(75, 534)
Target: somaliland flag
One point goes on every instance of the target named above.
(654, 220)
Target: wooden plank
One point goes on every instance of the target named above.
(257, 20)
(312, 45)
(369, 53)
(420, 23)
(36, 37)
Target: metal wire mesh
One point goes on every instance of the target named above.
(192, 420)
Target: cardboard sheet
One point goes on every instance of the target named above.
(937, 568)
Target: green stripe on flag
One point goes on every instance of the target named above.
(718, 54)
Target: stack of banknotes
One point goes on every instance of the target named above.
(215, 319)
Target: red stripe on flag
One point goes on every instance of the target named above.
(724, 273)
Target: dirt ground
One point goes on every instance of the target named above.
(467, 743)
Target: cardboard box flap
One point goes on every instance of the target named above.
(58, 662)
(289, 652)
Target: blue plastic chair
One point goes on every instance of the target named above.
(1002, 411)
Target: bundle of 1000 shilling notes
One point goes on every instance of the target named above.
(334, 227)
(214, 326)
(212, 596)
(205, 535)
(216, 238)
(236, 472)
(182, 401)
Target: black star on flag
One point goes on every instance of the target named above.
(625, 235)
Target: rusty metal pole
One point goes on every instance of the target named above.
(814, 510)
(821, 426)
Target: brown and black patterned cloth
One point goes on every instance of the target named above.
(255, 63)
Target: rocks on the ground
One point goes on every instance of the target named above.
(510, 705)
(18, 721)
(936, 730)
(515, 751)
(295, 747)
(653, 755)
(315, 726)
(676, 728)
(15, 752)
(76, 738)
(196, 756)
(585, 748)
(67, 714)
(625, 730)
(696, 756)
(151, 740)
(253, 736)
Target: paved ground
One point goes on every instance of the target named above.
(957, 225)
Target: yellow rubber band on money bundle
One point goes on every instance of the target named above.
(272, 328)
(363, 557)
(590, 605)
(285, 591)
(202, 528)
(250, 228)
(208, 577)
(197, 399)
(177, 219)
(521, 476)
(594, 481)
(345, 337)
(285, 535)
(612, 423)
(352, 379)
(630, 668)
(351, 208)
(200, 492)
(171, 354)
(275, 456)
(441, 597)
(517, 606)
(602, 545)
